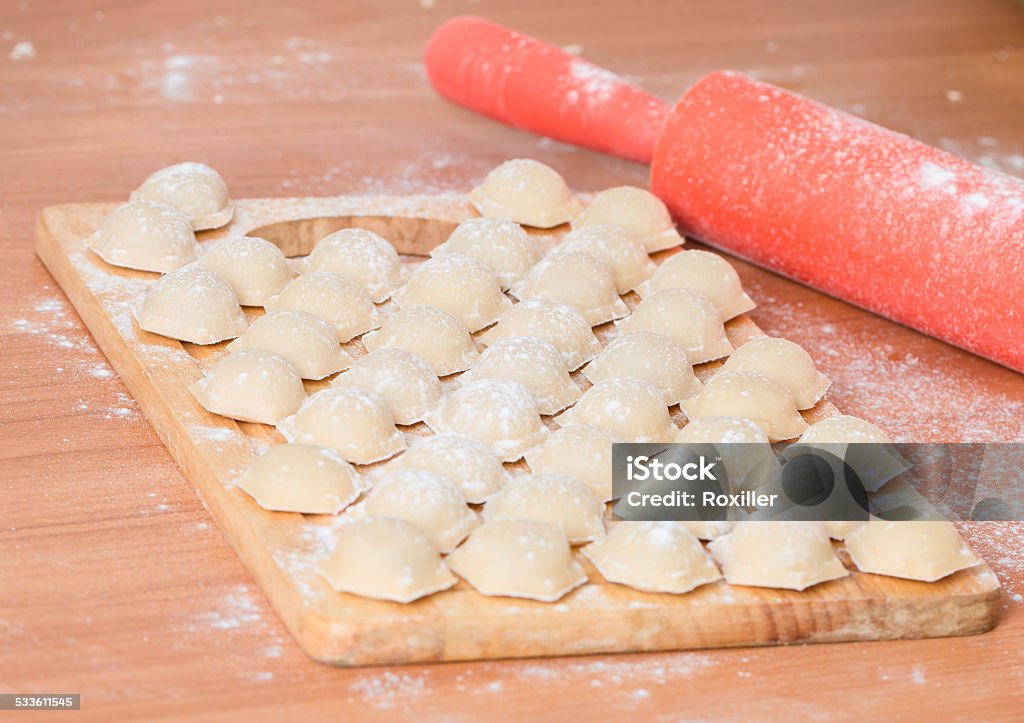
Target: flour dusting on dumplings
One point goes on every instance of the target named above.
(192, 304)
(147, 236)
(556, 323)
(528, 192)
(255, 268)
(251, 385)
(361, 256)
(194, 189)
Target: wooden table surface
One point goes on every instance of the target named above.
(115, 583)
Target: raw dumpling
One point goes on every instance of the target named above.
(146, 236)
(361, 256)
(356, 423)
(528, 192)
(578, 279)
(873, 456)
(742, 445)
(194, 189)
(556, 323)
(631, 409)
(403, 380)
(532, 362)
(458, 284)
(341, 303)
(301, 478)
(385, 558)
(432, 334)
(467, 462)
(638, 211)
(307, 341)
(707, 273)
(844, 429)
(709, 530)
(722, 430)
(518, 558)
(785, 362)
(192, 304)
(653, 556)
(252, 385)
(792, 555)
(583, 451)
(565, 502)
(927, 550)
(649, 356)
(498, 243)
(687, 317)
(614, 245)
(497, 412)
(750, 396)
(255, 268)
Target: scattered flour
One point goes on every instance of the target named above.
(23, 50)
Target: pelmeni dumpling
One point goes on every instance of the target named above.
(650, 356)
(707, 273)
(792, 555)
(556, 323)
(467, 462)
(255, 268)
(307, 341)
(251, 385)
(925, 550)
(873, 457)
(532, 362)
(785, 362)
(687, 317)
(402, 379)
(356, 423)
(844, 429)
(458, 284)
(638, 211)
(301, 478)
(564, 502)
(361, 256)
(385, 558)
(497, 412)
(583, 451)
(631, 409)
(578, 279)
(741, 443)
(434, 335)
(500, 244)
(750, 396)
(341, 303)
(653, 556)
(193, 188)
(618, 248)
(192, 304)
(431, 502)
(147, 236)
(518, 558)
(528, 192)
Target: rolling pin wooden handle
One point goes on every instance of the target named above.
(538, 87)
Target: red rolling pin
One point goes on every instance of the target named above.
(868, 215)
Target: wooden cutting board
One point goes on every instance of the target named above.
(281, 549)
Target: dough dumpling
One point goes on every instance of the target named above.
(791, 555)
(301, 478)
(251, 385)
(518, 558)
(356, 423)
(785, 362)
(192, 304)
(565, 502)
(146, 236)
(618, 248)
(528, 192)
(844, 429)
(556, 323)
(583, 451)
(707, 273)
(434, 335)
(687, 317)
(194, 189)
(742, 444)
(341, 303)
(361, 256)
(499, 413)
(578, 279)
(631, 409)
(385, 558)
(255, 268)
(532, 362)
(750, 396)
(875, 464)
(500, 244)
(653, 556)
(638, 211)
(458, 284)
(402, 379)
(306, 341)
(650, 356)
(927, 550)
(467, 462)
